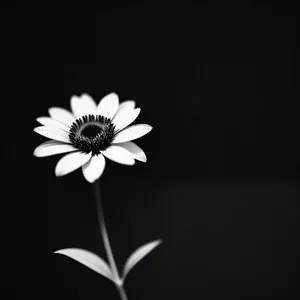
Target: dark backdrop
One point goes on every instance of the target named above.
(221, 185)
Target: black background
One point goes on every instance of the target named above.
(221, 185)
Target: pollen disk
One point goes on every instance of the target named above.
(92, 133)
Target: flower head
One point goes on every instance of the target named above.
(90, 133)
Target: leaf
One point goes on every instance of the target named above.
(88, 259)
(138, 255)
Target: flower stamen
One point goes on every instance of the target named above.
(92, 133)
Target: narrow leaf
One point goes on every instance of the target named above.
(138, 255)
(88, 259)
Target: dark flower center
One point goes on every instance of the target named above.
(91, 130)
(92, 133)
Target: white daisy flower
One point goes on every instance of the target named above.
(92, 133)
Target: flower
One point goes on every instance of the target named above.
(92, 133)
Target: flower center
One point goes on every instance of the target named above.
(91, 130)
(92, 133)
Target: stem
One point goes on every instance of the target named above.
(122, 292)
(106, 242)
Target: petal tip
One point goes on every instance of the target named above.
(142, 157)
(112, 94)
(58, 173)
(85, 95)
(51, 109)
(90, 180)
(37, 129)
(61, 251)
(149, 129)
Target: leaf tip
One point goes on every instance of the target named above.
(158, 242)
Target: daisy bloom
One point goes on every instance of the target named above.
(92, 133)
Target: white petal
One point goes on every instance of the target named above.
(135, 150)
(53, 133)
(94, 168)
(71, 162)
(46, 144)
(53, 123)
(61, 115)
(132, 133)
(129, 104)
(52, 147)
(108, 105)
(83, 105)
(119, 155)
(125, 117)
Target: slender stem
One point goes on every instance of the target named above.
(106, 242)
(103, 230)
(122, 292)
